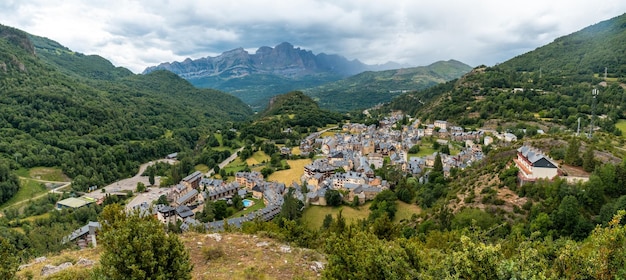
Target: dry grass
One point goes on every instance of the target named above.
(44, 173)
(34, 270)
(242, 257)
(258, 158)
(314, 215)
(291, 175)
(238, 256)
(328, 133)
(405, 211)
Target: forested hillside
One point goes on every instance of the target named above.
(370, 88)
(95, 121)
(553, 83)
(580, 54)
(289, 116)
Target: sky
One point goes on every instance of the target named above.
(139, 33)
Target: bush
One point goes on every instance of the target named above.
(212, 253)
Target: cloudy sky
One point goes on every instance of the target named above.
(140, 33)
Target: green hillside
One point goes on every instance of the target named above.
(370, 88)
(292, 110)
(585, 52)
(553, 83)
(78, 64)
(96, 121)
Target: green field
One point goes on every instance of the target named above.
(235, 166)
(28, 189)
(426, 149)
(621, 125)
(405, 211)
(258, 205)
(43, 173)
(202, 168)
(314, 215)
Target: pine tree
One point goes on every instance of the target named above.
(572, 155)
(589, 163)
(438, 165)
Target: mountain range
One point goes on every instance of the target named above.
(284, 60)
(255, 78)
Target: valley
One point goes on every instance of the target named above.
(510, 171)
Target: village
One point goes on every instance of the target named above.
(345, 161)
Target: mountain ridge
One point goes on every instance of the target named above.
(283, 60)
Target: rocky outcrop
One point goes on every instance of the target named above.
(283, 60)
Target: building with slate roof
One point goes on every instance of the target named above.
(533, 165)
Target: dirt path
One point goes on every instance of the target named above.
(55, 190)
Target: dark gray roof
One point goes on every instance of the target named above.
(186, 197)
(193, 176)
(184, 211)
(81, 231)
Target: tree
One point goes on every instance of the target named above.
(328, 221)
(567, 216)
(445, 149)
(151, 176)
(141, 187)
(220, 210)
(415, 149)
(208, 212)
(333, 197)
(589, 162)
(237, 202)
(572, 156)
(292, 207)
(438, 165)
(162, 200)
(137, 247)
(9, 260)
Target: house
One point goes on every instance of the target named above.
(510, 137)
(183, 212)
(193, 179)
(488, 140)
(533, 165)
(375, 159)
(222, 191)
(429, 130)
(328, 146)
(249, 179)
(165, 214)
(320, 166)
(285, 151)
(84, 236)
(188, 198)
(441, 124)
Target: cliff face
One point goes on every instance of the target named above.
(283, 60)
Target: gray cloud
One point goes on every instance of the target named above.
(137, 34)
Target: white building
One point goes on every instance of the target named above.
(534, 165)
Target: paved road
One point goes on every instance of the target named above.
(225, 162)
